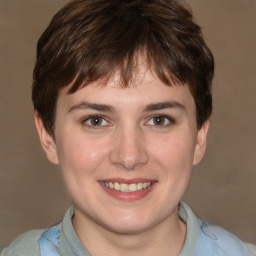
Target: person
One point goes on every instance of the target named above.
(122, 99)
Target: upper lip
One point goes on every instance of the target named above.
(127, 181)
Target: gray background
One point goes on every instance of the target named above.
(223, 186)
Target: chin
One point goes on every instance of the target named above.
(129, 228)
(129, 225)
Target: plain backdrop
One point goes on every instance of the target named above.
(223, 186)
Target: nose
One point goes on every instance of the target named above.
(129, 149)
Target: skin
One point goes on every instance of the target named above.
(145, 132)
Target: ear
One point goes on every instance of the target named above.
(47, 141)
(201, 143)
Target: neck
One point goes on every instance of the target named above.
(166, 238)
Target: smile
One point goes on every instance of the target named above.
(127, 187)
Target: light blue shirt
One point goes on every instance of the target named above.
(202, 239)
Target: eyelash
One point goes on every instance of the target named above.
(169, 119)
(103, 119)
(90, 118)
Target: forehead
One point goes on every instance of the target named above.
(145, 89)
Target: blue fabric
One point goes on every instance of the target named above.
(213, 241)
(49, 242)
(216, 241)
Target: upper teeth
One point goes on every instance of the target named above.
(127, 187)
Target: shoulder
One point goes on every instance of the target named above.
(223, 241)
(204, 238)
(251, 248)
(24, 245)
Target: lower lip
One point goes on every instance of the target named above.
(128, 196)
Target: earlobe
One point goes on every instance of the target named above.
(46, 139)
(201, 143)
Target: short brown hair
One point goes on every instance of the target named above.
(90, 40)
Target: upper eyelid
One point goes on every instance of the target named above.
(93, 115)
(108, 120)
(171, 120)
(163, 115)
(84, 119)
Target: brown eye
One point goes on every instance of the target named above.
(95, 121)
(159, 120)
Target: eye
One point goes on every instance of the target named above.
(160, 120)
(95, 121)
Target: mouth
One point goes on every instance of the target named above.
(127, 190)
(124, 187)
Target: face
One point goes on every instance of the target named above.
(126, 154)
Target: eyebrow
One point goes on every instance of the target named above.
(95, 106)
(164, 105)
(107, 108)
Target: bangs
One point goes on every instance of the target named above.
(89, 49)
(93, 40)
(127, 70)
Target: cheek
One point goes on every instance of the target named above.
(175, 152)
(80, 156)
(174, 156)
(80, 160)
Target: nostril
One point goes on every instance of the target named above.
(129, 149)
(130, 162)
